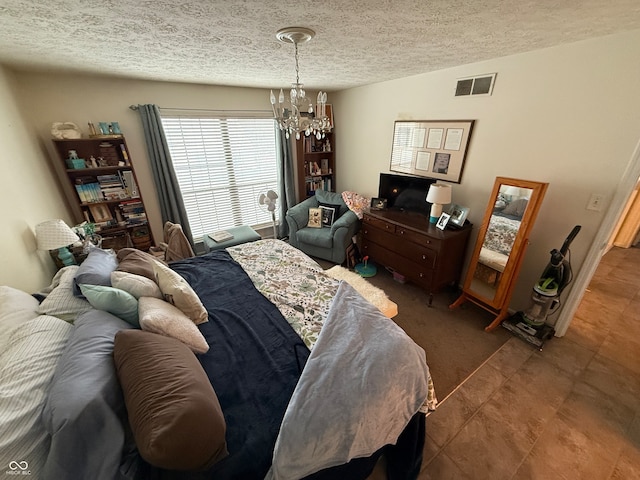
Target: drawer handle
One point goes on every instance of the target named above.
(428, 242)
(387, 227)
(424, 257)
(366, 231)
(421, 275)
(401, 232)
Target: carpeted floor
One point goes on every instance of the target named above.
(455, 341)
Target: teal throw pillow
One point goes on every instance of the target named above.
(113, 300)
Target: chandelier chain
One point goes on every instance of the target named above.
(295, 44)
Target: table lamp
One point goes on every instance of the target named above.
(437, 196)
(56, 235)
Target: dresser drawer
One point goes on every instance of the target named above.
(380, 236)
(420, 239)
(377, 223)
(416, 272)
(421, 255)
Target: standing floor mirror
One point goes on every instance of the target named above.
(502, 241)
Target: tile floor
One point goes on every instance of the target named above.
(569, 412)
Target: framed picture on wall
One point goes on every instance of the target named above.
(431, 148)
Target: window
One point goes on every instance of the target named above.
(223, 165)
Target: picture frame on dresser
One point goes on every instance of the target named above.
(458, 214)
(378, 203)
(443, 220)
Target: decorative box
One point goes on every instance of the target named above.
(76, 163)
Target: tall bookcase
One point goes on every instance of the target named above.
(315, 165)
(101, 188)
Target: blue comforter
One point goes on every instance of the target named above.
(254, 361)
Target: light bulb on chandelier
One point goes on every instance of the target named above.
(288, 114)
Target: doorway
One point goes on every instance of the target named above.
(625, 234)
(601, 242)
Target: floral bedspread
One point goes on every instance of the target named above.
(501, 234)
(292, 281)
(298, 286)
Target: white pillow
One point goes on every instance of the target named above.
(16, 307)
(27, 365)
(179, 293)
(158, 316)
(136, 285)
(61, 302)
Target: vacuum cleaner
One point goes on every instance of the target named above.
(532, 325)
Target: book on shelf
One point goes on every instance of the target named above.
(221, 236)
(88, 192)
(133, 211)
(318, 184)
(130, 183)
(125, 155)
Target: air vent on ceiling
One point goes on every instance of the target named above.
(480, 85)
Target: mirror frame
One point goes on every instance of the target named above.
(498, 305)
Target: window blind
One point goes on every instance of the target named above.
(223, 164)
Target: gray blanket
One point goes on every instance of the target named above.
(363, 382)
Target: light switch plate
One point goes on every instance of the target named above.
(595, 202)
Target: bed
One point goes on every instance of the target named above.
(295, 374)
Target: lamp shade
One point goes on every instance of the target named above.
(440, 194)
(54, 234)
(437, 196)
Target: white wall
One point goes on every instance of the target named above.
(567, 115)
(29, 195)
(46, 98)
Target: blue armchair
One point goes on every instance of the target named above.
(326, 243)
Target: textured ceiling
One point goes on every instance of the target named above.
(232, 42)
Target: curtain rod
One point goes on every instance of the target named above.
(135, 107)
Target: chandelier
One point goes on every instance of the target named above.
(287, 113)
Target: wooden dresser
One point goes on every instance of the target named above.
(407, 243)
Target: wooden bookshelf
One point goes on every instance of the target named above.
(315, 165)
(101, 187)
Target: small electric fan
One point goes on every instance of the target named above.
(268, 202)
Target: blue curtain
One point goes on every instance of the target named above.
(287, 194)
(171, 205)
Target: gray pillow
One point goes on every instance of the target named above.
(95, 270)
(516, 208)
(84, 411)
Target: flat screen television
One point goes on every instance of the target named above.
(404, 192)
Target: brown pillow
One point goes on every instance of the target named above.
(136, 261)
(173, 410)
